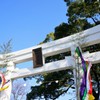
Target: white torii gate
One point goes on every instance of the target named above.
(85, 38)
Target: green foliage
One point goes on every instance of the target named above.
(49, 37)
(61, 31)
(6, 47)
(53, 85)
(66, 29)
(85, 11)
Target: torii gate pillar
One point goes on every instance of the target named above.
(76, 70)
(6, 94)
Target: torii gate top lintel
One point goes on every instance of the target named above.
(88, 37)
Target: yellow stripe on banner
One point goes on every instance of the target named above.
(4, 88)
(91, 97)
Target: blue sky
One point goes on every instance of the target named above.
(27, 22)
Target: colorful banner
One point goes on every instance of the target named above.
(3, 83)
(86, 84)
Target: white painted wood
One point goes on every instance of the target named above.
(92, 57)
(75, 69)
(49, 67)
(67, 63)
(5, 95)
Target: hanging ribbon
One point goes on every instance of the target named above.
(86, 85)
(3, 83)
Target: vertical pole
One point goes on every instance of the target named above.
(6, 94)
(76, 72)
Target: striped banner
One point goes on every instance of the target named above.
(86, 84)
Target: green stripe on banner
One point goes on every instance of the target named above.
(78, 51)
(85, 93)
